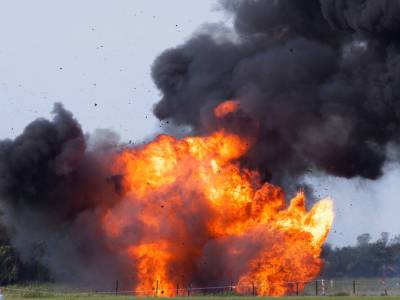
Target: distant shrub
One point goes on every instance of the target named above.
(37, 294)
(342, 294)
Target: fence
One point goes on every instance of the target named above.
(320, 287)
(360, 287)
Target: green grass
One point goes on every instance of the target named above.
(100, 297)
(341, 289)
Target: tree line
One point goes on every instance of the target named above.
(380, 258)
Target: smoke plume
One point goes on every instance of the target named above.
(318, 84)
(53, 189)
(320, 79)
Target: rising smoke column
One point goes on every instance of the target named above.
(320, 78)
(54, 187)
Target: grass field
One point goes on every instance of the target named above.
(100, 297)
(341, 289)
(35, 295)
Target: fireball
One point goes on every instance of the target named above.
(191, 213)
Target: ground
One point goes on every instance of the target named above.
(340, 289)
(99, 297)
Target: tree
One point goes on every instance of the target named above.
(367, 259)
(384, 238)
(15, 270)
(395, 240)
(363, 239)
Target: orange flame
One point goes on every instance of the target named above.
(226, 107)
(182, 194)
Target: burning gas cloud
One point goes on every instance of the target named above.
(313, 85)
(199, 218)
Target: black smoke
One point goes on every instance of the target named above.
(319, 89)
(320, 78)
(54, 188)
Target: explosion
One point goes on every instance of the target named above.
(188, 199)
(316, 84)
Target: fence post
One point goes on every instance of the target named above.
(297, 288)
(354, 287)
(177, 289)
(116, 287)
(189, 289)
(254, 290)
(316, 287)
(157, 288)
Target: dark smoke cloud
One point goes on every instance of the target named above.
(319, 87)
(377, 18)
(320, 78)
(53, 189)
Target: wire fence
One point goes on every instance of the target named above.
(320, 287)
(353, 287)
